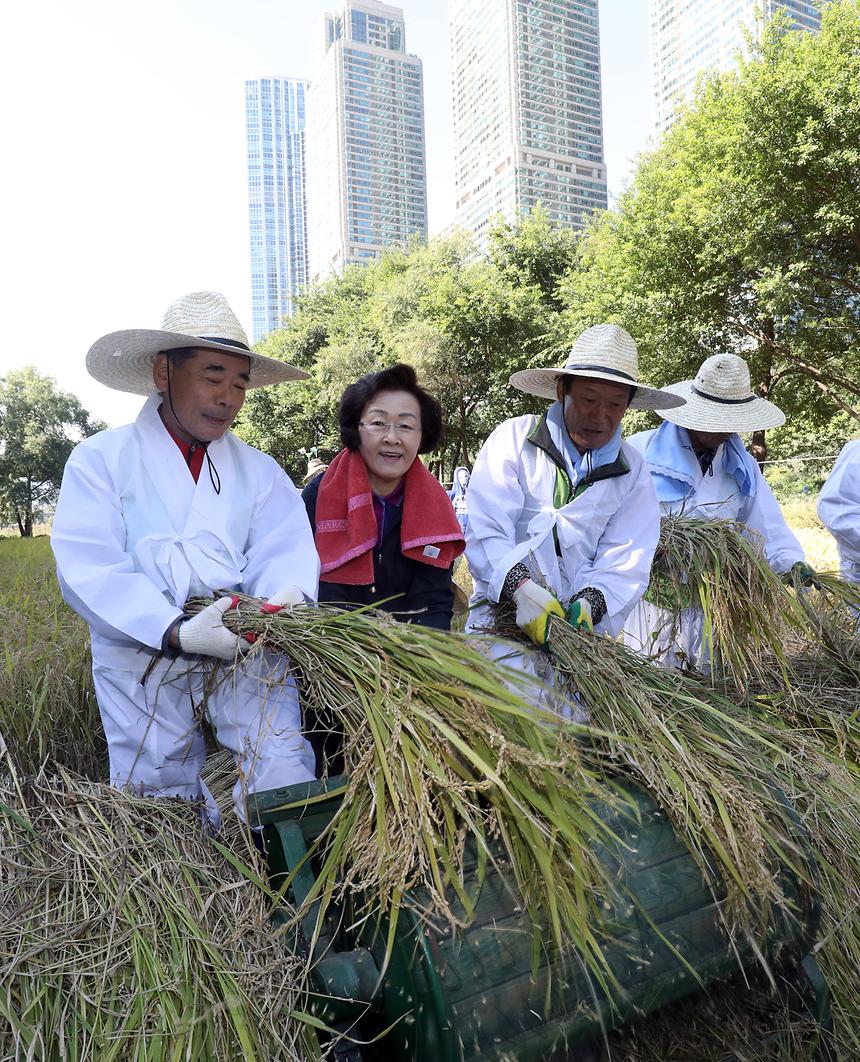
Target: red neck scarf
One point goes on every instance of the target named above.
(192, 452)
(346, 523)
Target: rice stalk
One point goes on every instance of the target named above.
(719, 566)
(443, 759)
(48, 710)
(124, 934)
(694, 751)
(832, 612)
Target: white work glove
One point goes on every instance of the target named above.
(206, 635)
(534, 608)
(287, 597)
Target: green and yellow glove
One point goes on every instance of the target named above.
(535, 606)
(579, 615)
(802, 573)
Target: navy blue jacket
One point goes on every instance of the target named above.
(420, 588)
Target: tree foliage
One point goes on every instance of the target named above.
(466, 323)
(741, 231)
(39, 426)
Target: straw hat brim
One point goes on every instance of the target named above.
(704, 414)
(542, 382)
(123, 360)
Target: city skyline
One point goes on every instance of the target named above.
(528, 123)
(131, 183)
(277, 216)
(367, 176)
(706, 35)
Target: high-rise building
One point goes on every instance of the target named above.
(528, 126)
(275, 123)
(697, 35)
(367, 182)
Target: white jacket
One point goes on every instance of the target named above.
(839, 509)
(134, 536)
(715, 496)
(606, 534)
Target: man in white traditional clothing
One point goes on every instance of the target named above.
(170, 507)
(701, 469)
(563, 518)
(839, 509)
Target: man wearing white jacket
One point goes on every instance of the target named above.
(170, 507)
(563, 519)
(839, 509)
(700, 468)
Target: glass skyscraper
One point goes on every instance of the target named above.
(275, 124)
(528, 125)
(367, 183)
(689, 37)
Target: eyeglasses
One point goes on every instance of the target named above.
(380, 427)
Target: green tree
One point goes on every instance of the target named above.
(741, 231)
(464, 322)
(39, 426)
(532, 251)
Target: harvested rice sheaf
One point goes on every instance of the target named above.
(439, 747)
(442, 755)
(755, 622)
(126, 933)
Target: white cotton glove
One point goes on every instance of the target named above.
(206, 635)
(534, 608)
(287, 597)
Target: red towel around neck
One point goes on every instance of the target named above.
(346, 523)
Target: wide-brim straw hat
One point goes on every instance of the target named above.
(721, 399)
(603, 352)
(315, 466)
(203, 319)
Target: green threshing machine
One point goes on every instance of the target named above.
(483, 993)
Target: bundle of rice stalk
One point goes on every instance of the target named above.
(832, 612)
(442, 758)
(824, 700)
(697, 754)
(825, 791)
(125, 933)
(713, 763)
(719, 566)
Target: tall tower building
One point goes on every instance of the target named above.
(367, 181)
(275, 124)
(528, 126)
(698, 35)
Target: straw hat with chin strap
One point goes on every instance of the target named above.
(202, 320)
(720, 399)
(603, 352)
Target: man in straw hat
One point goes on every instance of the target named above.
(315, 466)
(563, 519)
(700, 468)
(170, 507)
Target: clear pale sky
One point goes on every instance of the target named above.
(123, 183)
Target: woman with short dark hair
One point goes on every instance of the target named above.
(384, 526)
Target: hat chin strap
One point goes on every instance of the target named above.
(214, 478)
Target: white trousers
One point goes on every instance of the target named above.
(537, 678)
(669, 640)
(155, 742)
